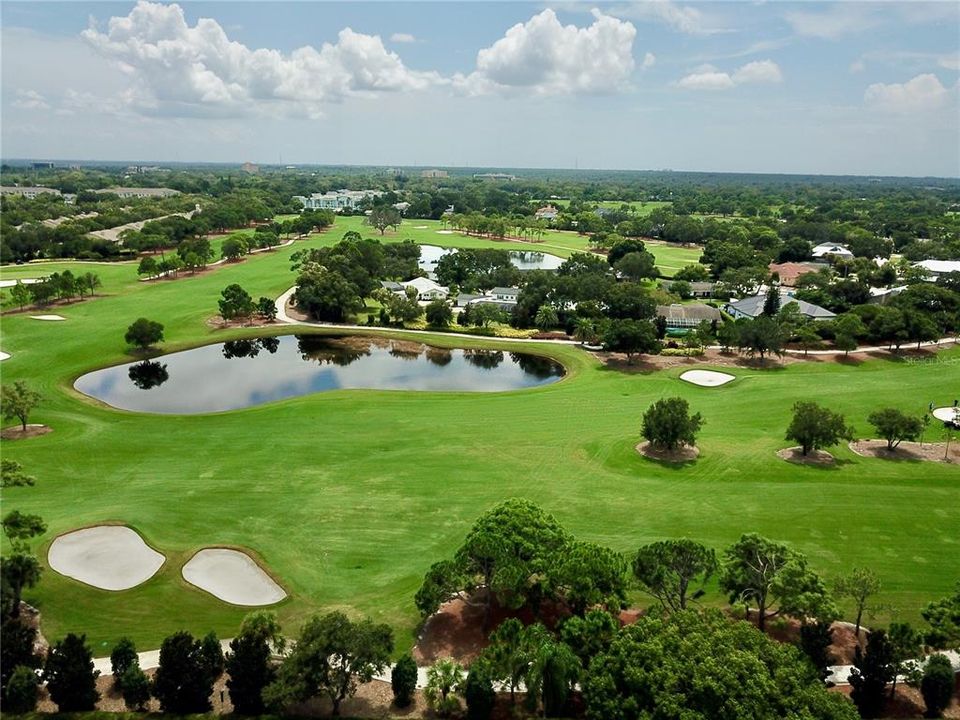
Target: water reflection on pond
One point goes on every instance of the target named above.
(242, 373)
(522, 260)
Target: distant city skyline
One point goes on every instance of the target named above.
(787, 88)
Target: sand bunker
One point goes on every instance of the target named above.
(25, 281)
(47, 317)
(233, 577)
(4, 356)
(707, 378)
(444, 232)
(947, 414)
(419, 227)
(109, 557)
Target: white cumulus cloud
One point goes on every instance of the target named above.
(920, 94)
(682, 18)
(30, 100)
(198, 70)
(835, 22)
(950, 61)
(545, 57)
(399, 37)
(707, 77)
(649, 60)
(760, 71)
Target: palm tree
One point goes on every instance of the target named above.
(584, 330)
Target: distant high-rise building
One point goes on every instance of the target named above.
(251, 168)
(433, 173)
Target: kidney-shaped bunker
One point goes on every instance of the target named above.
(233, 577)
(109, 557)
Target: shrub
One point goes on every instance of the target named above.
(479, 693)
(937, 685)
(135, 688)
(123, 656)
(20, 695)
(403, 679)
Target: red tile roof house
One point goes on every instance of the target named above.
(790, 272)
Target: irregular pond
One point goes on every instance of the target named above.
(522, 260)
(242, 373)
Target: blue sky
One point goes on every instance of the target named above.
(838, 88)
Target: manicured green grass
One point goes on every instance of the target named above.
(556, 242)
(640, 207)
(349, 496)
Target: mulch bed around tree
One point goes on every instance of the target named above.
(219, 323)
(685, 453)
(909, 451)
(814, 457)
(18, 433)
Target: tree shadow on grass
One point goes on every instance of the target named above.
(755, 363)
(817, 459)
(637, 367)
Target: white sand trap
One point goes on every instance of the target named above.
(419, 227)
(707, 378)
(47, 317)
(25, 281)
(3, 355)
(109, 557)
(233, 577)
(947, 415)
(444, 232)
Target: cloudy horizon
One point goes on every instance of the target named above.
(814, 88)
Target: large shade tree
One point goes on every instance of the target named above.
(773, 578)
(667, 570)
(704, 667)
(668, 424)
(504, 557)
(815, 427)
(333, 657)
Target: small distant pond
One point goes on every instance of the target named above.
(243, 373)
(431, 254)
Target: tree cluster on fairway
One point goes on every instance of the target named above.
(235, 303)
(668, 424)
(477, 269)
(515, 555)
(64, 286)
(815, 427)
(382, 217)
(333, 282)
(144, 333)
(18, 401)
(895, 426)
